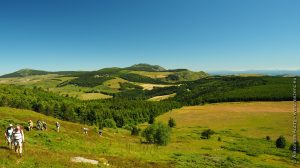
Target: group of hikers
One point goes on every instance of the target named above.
(15, 135)
(15, 138)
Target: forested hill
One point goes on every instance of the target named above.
(221, 89)
(120, 111)
(146, 67)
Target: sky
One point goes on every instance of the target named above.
(195, 34)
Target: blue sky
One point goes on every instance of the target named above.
(195, 34)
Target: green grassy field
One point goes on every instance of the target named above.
(49, 83)
(241, 126)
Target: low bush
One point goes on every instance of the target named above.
(172, 122)
(281, 142)
(109, 123)
(206, 134)
(135, 131)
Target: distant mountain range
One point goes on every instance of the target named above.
(137, 67)
(140, 73)
(258, 72)
(185, 73)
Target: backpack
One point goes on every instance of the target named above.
(9, 131)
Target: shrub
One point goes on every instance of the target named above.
(109, 123)
(207, 133)
(127, 127)
(219, 139)
(151, 119)
(135, 130)
(149, 133)
(268, 138)
(171, 123)
(280, 142)
(157, 133)
(297, 147)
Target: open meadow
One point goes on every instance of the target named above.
(239, 140)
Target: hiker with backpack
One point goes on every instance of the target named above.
(18, 140)
(9, 136)
(39, 125)
(30, 125)
(57, 126)
(85, 130)
(44, 126)
(100, 132)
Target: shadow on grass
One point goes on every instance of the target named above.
(4, 148)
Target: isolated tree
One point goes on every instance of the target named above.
(268, 138)
(135, 130)
(280, 142)
(171, 122)
(162, 135)
(207, 133)
(157, 133)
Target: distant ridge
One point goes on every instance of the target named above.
(31, 72)
(146, 67)
(259, 72)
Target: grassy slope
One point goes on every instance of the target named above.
(153, 74)
(149, 86)
(114, 83)
(163, 97)
(242, 127)
(49, 82)
(93, 96)
(46, 149)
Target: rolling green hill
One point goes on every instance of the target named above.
(32, 72)
(185, 75)
(139, 73)
(146, 67)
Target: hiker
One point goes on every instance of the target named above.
(44, 126)
(30, 125)
(57, 126)
(39, 125)
(18, 139)
(85, 130)
(100, 132)
(9, 135)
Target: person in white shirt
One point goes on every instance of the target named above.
(18, 138)
(57, 126)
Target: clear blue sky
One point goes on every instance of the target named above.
(194, 34)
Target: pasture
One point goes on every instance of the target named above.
(241, 127)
